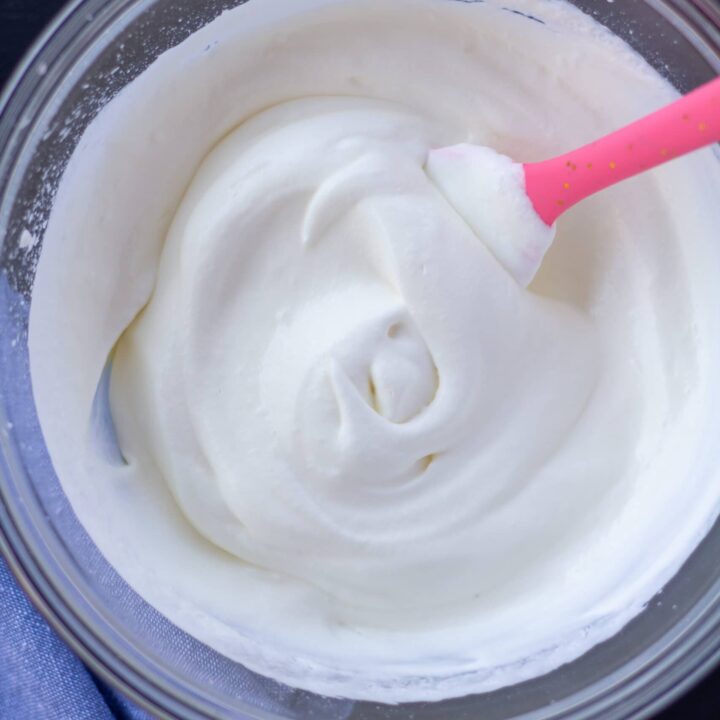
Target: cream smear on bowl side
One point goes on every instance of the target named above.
(356, 453)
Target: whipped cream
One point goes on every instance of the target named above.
(355, 445)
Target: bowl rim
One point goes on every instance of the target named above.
(654, 686)
(10, 539)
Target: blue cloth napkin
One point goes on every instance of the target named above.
(40, 677)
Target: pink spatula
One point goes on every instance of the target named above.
(689, 123)
(491, 191)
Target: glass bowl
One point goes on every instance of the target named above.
(91, 50)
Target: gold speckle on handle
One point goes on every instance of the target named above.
(663, 152)
(566, 185)
(612, 165)
(589, 166)
(560, 202)
(702, 126)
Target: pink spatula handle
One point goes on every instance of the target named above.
(690, 123)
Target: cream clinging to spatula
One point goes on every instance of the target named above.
(519, 232)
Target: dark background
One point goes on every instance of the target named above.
(20, 23)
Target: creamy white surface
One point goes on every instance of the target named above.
(360, 453)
